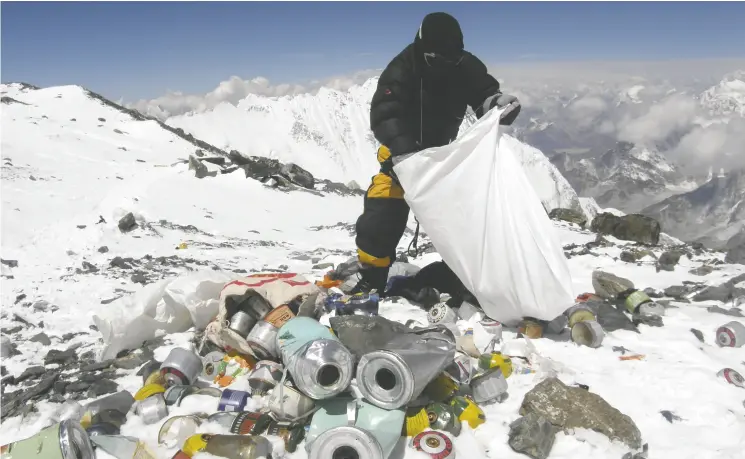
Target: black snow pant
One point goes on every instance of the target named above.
(382, 224)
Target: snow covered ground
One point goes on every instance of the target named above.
(59, 177)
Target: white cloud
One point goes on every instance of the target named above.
(235, 88)
(660, 121)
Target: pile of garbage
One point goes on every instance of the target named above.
(354, 387)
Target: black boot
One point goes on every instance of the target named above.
(371, 279)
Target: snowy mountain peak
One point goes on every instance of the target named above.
(727, 97)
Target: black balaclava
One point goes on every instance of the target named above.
(440, 33)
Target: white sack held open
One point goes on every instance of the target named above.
(477, 205)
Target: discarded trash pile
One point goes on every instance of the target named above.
(354, 388)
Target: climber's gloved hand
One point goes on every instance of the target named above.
(511, 106)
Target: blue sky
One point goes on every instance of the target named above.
(141, 49)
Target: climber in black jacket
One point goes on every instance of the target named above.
(420, 102)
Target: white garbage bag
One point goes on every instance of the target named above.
(478, 207)
(168, 306)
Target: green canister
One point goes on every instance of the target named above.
(64, 440)
(442, 417)
(345, 427)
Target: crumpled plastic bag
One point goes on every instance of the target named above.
(168, 306)
(488, 224)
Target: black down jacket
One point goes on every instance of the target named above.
(416, 107)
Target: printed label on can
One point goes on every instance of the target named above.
(441, 388)
(245, 423)
(195, 444)
(417, 420)
(436, 445)
(279, 316)
(531, 329)
(732, 377)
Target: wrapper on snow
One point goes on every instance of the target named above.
(168, 306)
(486, 221)
(275, 289)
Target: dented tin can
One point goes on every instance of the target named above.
(639, 302)
(177, 429)
(181, 367)
(235, 446)
(557, 325)
(579, 313)
(233, 400)
(732, 377)
(64, 440)
(490, 386)
(345, 427)
(149, 390)
(279, 316)
(442, 388)
(241, 323)
(434, 443)
(496, 360)
(461, 369)
(320, 365)
(263, 341)
(122, 447)
(249, 423)
(346, 441)
(588, 333)
(211, 365)
(441, 417)
(441, 313)
(291, 433)
(106, 422)
(174, 394)
(224, 418)
(288, 403)
(467, 411)
(416, 421)
(265, 375)
(531, 328)
(731, 334)
(256, 306)
(152, 409)
(121, 401)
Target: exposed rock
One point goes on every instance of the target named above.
(259, 167)
(77, 386)
(301, 257)
(633, 227)
(569, 215)
(102, 387)
(652, 293)
(698, 334)
(122, 263)
(572, 407)
(701, 270)
(354, 186)
(103, 249)
(127, 223)
(216, 160)
(651, 320)
(96, 366)
(237, 158)
(132, 361)
(724, 292)
(200, 170)
(13, 404)
(31, 372)
(670, 416)
(734, 312)
(608, 285)
(9, 263)
(677, 291)
(532, 435)
(139, 278)
(610, 318)
(89, 268)
(298, 175)
(628, 257)
(8, 348)
(736, 255)
(668, 260)
(323, 266)
(41, 338)
(199, 152)
(61, 357)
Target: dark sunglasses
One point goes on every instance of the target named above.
(441, 60)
